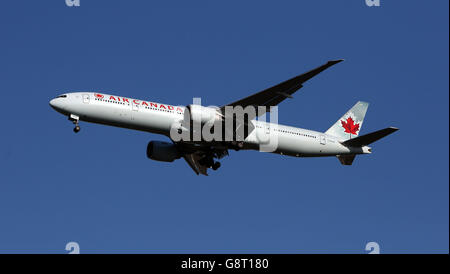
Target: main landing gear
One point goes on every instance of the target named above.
(216, 165)
(75, 119)
(209, 162)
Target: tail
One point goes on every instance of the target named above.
(347, 130)
(350, 123)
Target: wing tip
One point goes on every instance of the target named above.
(333, 62)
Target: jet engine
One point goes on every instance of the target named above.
(162, 151)
(201, 114)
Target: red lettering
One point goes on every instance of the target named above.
(112, 98)
(125, 100)
(153, 105)
(162, 106)
(134, 101)
(170, 107)
(144, 103)
(179, 109)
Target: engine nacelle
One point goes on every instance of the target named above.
(162, 151)
(201, 114)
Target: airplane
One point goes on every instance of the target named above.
(341, 139)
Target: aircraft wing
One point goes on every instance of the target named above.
(278, 93)
(272, 97)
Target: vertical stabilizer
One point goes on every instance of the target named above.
(350, 124)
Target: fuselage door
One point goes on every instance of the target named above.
(263, 133)
(323, 141)
(86, 98)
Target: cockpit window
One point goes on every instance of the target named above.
(62, 96)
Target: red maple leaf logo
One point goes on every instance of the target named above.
(100, 96)
(350, 126)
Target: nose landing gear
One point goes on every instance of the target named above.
(75, 119)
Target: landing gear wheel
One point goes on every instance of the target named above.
(216, 165)
(74, 119)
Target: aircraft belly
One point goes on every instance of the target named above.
(153, 122)
(294, 145)
(309, 147)
(290, 145)
(125, 118)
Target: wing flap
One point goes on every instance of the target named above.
(193, 161)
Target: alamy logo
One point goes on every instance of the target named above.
(73, 3)
(373, 3)
(373, 248)
(73, 248)
(231, 124)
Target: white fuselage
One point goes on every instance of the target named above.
(158, 118)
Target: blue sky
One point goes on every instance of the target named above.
(97, 187)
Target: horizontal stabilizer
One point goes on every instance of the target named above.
(367, 139)
(346, 160)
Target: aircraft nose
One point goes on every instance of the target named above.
(57, 104)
